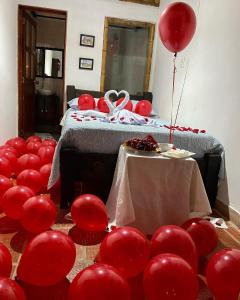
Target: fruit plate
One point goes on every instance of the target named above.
(178, 153)
(141, 152)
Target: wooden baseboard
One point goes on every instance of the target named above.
(227, 212)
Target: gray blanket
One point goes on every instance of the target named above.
(100, 137)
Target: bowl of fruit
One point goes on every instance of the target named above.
(145, 145)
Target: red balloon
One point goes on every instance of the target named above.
(136, 287)
(143, 108)
(11, 157)
(45, 171)
(99, 282)
(33, 147)
(10, 290)
(203, 234)
(223, 274)
(177, 26)
(5, 167)
(28, 161)
(169, 277)
(174, 239)
(5, 184)
(86, 101)
(9, 148)
(89, 213)
(47, 259)
(39, 214)
(126, 249)
(46, 154)
(34, 138)
(128, 106)
(49, 142)
(57, 291)
(13, 200)
(30, 178)
(5, 261)
(102, 105)
(19, 144)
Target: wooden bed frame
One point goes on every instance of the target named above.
(93, 172)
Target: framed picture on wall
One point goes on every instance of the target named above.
(85, 63)
(87, 40)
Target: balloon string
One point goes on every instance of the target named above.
(180, 100)
(173, 88)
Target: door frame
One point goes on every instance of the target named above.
(127, 23)
(22, 8)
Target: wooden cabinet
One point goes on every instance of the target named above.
(46, 112)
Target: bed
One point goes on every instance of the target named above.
(86, 154)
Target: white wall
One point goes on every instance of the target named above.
(87, 16)
(8, 70)
(211, 98)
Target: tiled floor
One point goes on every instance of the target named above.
(15, 238)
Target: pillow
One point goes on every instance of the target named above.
(152, 114)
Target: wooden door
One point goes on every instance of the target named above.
(27, 73)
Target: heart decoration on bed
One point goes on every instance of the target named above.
(110, 104)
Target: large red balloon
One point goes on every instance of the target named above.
(143, 108)
(102, 105)
(203, 234)
(136, 287)
(57, 291)
(39, 214)
(19, 144)
(33, 147)
(174, 239)
(5, 167)
(177, 26)
(49, 142)
(47, 259)
(30, 178)
(9, 148)
(128, 106)
(89, 213)
(86, 101)
(28, 161)
(46, 154)
(45, 171)
(10, 290)
(169, 277)
(5, 261)
(13, 200)
(99, 282)
(223, 274)
(127, 249)
(11, 157)
(34, 138)
(5, 184)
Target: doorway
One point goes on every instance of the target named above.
(127, 55)
(41, 66)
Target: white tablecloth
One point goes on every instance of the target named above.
(150, 191)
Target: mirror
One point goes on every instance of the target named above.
(49, 62)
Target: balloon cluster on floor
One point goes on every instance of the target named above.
(128, 266)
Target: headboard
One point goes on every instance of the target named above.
(72, 92)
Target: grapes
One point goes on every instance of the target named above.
(146, 144)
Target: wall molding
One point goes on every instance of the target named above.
(227, 212)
